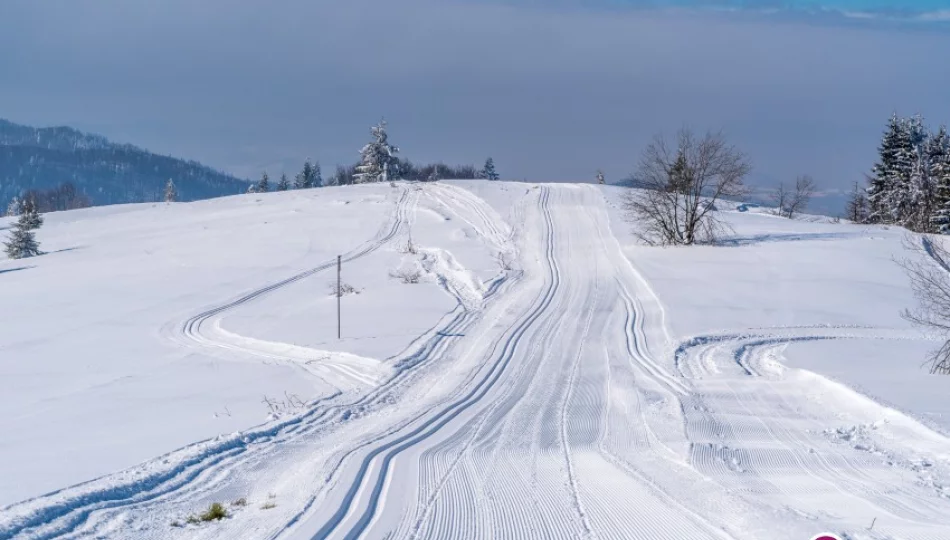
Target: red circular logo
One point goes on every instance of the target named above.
(826, 536)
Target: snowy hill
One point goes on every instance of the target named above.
(512, 365)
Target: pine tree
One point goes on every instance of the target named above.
(679, 178)
(600, 177)
(888, 193)
(938, 152)
(171, 194)
(857, 208)
(15, 207)
(22, 242)
(309, 177)
(488, 171)
(917, 206)
(317, 180)
(263, 186)
(283, 184)
(30, 216)
(376, 157)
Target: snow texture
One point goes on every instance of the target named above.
(546, 377)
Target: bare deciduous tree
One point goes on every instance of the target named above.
(929, 274)
(682, 183)
(788, 203)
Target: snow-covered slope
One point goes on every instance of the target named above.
(545, 378)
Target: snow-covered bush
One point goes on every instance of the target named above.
(407, 275)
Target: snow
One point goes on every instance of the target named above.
(546, 377)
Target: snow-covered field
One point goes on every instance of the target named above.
(546, 377)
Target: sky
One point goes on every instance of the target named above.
(551, 90)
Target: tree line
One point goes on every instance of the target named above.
(62, 197)
(378, 163)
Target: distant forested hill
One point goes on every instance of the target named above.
(108, 173)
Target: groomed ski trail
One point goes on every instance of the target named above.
(560, 407)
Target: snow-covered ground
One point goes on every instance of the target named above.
(547, 377)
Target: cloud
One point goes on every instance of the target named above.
(550, 92)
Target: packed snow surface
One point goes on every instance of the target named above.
(513, 364)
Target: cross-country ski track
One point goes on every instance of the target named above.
(552, 402)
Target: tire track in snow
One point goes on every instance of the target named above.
(66, 510)
(765, 442)
(575, 406)
(389, 450)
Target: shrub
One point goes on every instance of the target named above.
(214, 512)
(407, 275)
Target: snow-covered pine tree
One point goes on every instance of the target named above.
(22, 242)
(890, 177)
(30, 216)
(600, 177)
(307, 178)
(918, 205)
(263, 185)
(488, 171)
(15, 207)
(283, 184)
(171, 194)
(377, 157)
(938, 152)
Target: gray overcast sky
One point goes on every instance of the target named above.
(551, 93)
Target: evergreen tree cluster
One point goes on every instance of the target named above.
(909, 186)
(378, 163)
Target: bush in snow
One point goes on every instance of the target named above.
(214, 512)
(343, 289)
(407, 275)
(681, 186)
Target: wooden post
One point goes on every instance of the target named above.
(339, 295)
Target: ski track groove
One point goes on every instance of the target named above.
(438, 420)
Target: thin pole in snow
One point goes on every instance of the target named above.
(339, 295)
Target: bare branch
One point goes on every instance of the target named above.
(929, 274)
